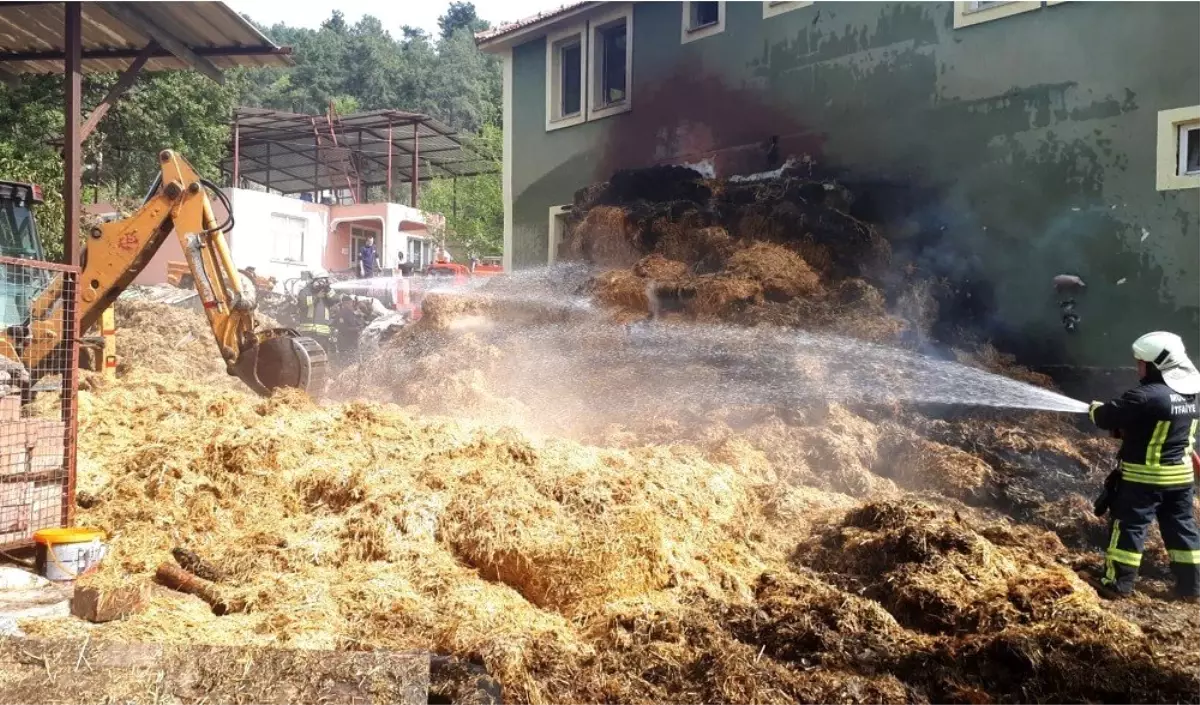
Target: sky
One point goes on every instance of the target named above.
(393, 15)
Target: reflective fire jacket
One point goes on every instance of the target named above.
(1158, 433)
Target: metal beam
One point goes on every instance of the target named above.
(237, 154)
(159, 53)
(415, 182)
(126, 13)
(123, 83)
(73, 166)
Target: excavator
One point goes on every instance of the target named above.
(114, 253)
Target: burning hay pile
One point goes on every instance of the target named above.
(727, 559)
(590, 527)
(783, 251)
(578, 573)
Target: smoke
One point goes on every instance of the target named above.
(536, 356)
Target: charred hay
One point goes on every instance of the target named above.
(746, 553)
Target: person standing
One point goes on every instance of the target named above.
(368, 259)
(1156, 422)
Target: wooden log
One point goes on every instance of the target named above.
(185, 582)
(193, 563)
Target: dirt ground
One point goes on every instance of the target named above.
(586, 532)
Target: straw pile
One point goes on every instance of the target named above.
(692, 559)
(514, 487)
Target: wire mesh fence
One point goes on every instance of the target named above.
(39, 354)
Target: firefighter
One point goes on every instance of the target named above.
(316, 302)
(1156, 422)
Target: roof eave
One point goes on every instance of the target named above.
(498, 43)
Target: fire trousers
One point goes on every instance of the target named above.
(1134, 507)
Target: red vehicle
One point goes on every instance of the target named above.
(410, 291)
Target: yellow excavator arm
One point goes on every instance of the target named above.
(116, 252)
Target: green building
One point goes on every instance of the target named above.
(1005, 143)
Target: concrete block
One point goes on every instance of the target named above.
(45, 440)
(10, 407)
(14, 510)
(46, 504)
(108, 604)
(14, 452)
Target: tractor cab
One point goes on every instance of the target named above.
(19, 286)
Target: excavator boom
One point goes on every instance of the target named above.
(116, 252)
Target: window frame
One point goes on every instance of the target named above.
(557, 215)
(555, 121)
(772, 9)
(965, 15)
(1171, 124)
(687, 34)
(1182, 130)
(595, 67)
(275, 233)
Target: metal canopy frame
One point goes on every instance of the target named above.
(297, 153)
(74, 38)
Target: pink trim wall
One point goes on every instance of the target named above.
(339, 239)
(155, 271)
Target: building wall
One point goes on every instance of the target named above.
(155, 271)
(253, 243)
(1002, 153)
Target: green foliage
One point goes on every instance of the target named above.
(30, 116)
(473, 206)
(460, 15)
(448, 78)
(364, 66)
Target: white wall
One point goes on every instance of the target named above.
(396, 240)
(253, 240)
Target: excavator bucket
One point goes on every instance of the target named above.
(283, 358)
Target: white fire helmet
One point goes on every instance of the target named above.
(1166, 352)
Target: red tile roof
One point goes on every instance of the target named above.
(489, 35)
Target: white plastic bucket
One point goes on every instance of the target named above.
(67, 553)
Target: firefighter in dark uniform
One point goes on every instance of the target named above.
(316, 302)
(1156, 422)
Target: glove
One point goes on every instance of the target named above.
(1104, 501)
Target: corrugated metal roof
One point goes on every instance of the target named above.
(489, 36)
(31, 37)
(285, 145)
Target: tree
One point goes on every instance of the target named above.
(473, 206)
(460, 15)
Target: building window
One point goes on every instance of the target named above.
(1178, 152)
(971, 13)
(702, 19)
(419, 253)
(1189, 149)
(610, 71)
(565, 52)
(770, 9)
(358, 238)
(287, 233)
(557, 234)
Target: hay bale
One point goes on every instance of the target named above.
(659, 268)
(782, 272)
(623, 290)
(704, 249)
(605, 237)
(720, 296)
